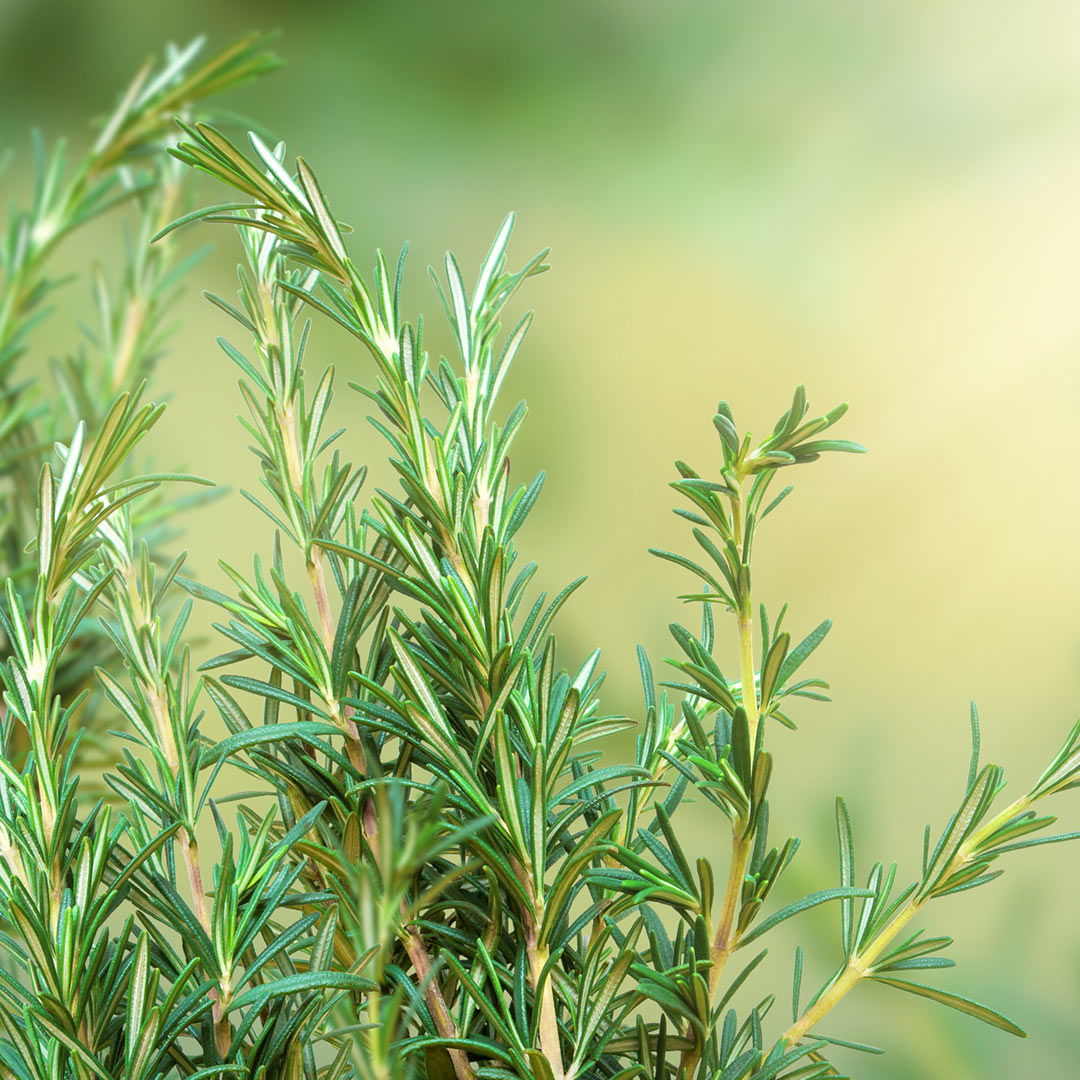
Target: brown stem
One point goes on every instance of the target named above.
(222, 1027)
(420, 957)
(353, 747)
(444, 1022)
(190, 852)
(322, 599)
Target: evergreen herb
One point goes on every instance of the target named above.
(437, 868)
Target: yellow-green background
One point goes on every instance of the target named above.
(881, 200)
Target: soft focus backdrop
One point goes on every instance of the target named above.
(879, 200)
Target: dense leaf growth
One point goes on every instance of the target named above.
(437, 867)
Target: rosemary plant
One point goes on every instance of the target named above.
(437, 868)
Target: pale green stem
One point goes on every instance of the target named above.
(861, 964)
(725, 940)
(548, 1031)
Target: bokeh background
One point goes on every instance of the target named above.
(879, 200)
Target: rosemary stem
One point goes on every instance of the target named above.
(353, 747)
(420, 957)
(317, 578)
(861, 964)
(414, 944)
(725, 940)
(444, 1022)
(189, 851)
(548, 1033)
(742, 842)
(853, 973)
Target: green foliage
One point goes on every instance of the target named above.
(436, 869)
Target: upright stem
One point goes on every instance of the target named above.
(322, 597)
(414, 944)
(288, 423)
(223, 1033)
(287, 420)
(154, 687)
(137, 307)
(745, 617)
(353, 747)
(444, 1022)
(420, 957)
(538, 954)
(158, 696)
(725, 940)
(189, 851)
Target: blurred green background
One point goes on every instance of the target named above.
(879, 200)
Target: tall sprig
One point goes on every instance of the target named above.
(716, 745)
(730, 768)
(465, 687)
(58, 884)
(131, 136)
(125, 166)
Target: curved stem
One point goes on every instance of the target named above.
(860, 965)
(856, 969)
